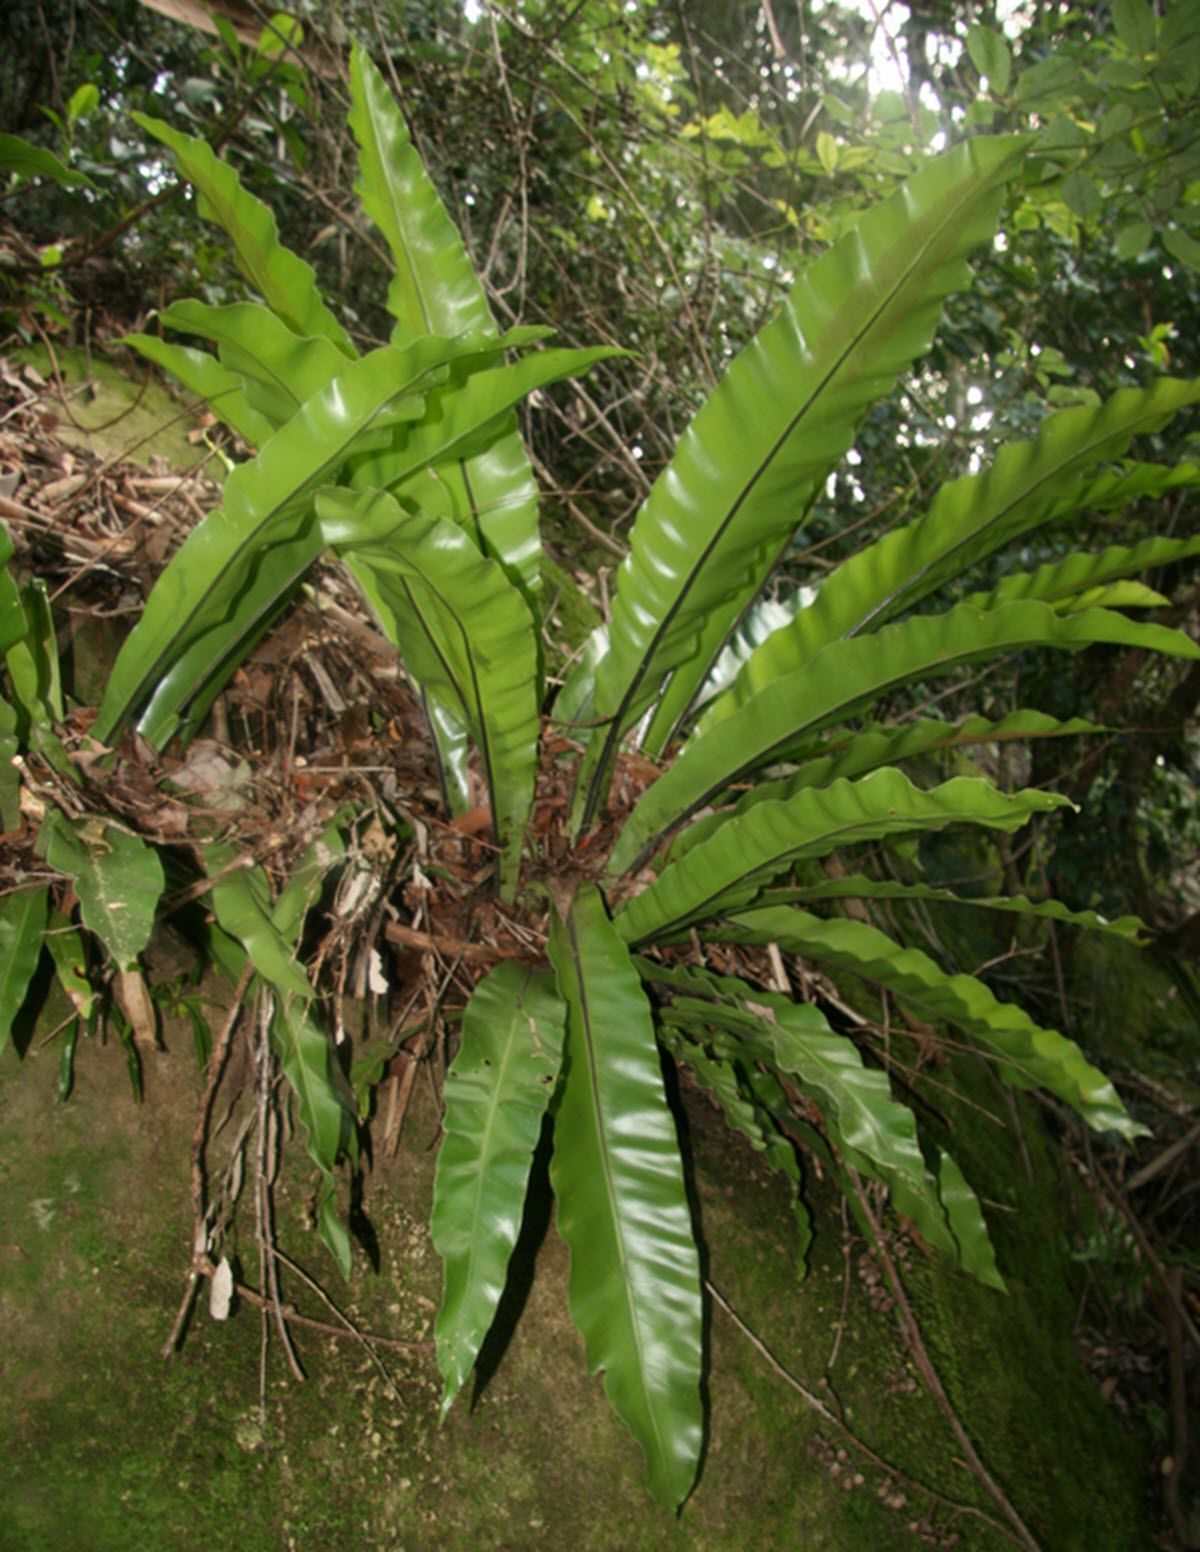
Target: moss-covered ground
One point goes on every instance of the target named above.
(113, 413)
(106, 1446)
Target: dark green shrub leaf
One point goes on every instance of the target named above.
(30, 161)
(22, 927)
(118, 878)
(991, 56)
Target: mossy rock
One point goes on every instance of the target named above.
(113, 413)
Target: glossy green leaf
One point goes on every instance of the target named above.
(133, 1060)
(1028, 485)
(1077, 575)
(451, 740)
(118, 878)
(330, 1226)
(965, 1217)
(870, 1131)
(622, 1204)
(22, 927)
(493, 496)
(1027, 1054)
(43, 645)
(496, 1096)
(466, 415)
(726, 1081)
(84, 100)
(282, 35)
(1124, 594)
(760, 622)
(735, 862)
(734, 1039)
(435, 291)
(845, 678)
(286, 282)
(573, 705)
(279, 368)
(855, 754)
(682, 694)
(239, 567)
(322, 858)
(324, 1105)
(30, 161)
(857, 887)
(203, 375)
(747, 469)
(267, 933)
(465, 634)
